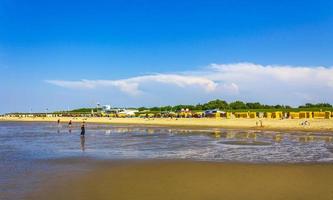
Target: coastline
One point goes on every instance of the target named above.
(177, 179)
(318, 125)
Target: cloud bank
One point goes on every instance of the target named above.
(131, 86)
(244, 81)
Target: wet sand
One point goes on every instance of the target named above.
(322, 125)
(186, 180)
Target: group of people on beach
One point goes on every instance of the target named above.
(83, 129)
(83, 132)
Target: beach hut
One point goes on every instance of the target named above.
(182, 114)
(121, 115)
(294, 115)
(305, 114)
(142, 115)
(268, 115)
(197, 114)
(319, 115)
(302, 114)
(252, 115)
(277, 115)
(241, 114)
(112, 115)
(327, 115)
(185, 113)
(228, 115)
(309, 115)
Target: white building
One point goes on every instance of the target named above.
(106, 107)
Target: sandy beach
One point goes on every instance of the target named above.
(187, 180)
(321, 125)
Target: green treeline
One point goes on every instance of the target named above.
(236, 105)
(224, 105)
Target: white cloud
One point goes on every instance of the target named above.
(244, 81)
(287, 74)
(131, 86)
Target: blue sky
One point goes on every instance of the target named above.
(48, 47)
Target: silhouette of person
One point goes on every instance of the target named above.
(83, 130)
(70, 126)
(58, 131)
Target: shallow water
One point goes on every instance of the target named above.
(22, 145)
(30, 141)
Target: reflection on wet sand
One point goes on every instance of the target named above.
(305, 139)
(217, 134)
(230, 135)
(83, 141)
(328, 139)
(251, 136)
(225, 134)
(251, 143)
(207, 143)
(277, 138)
(312, 138)
(150, 131)
(222, 134)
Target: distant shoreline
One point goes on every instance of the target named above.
(318, 125)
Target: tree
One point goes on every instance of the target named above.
(318, 105)
(255, 105)
(142, 109)
(237, 105)
(215, 104)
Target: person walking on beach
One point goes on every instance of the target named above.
(261, 125)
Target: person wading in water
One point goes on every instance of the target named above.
(70, 126)
(58, 126)
(83, 129)
(82, 137)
